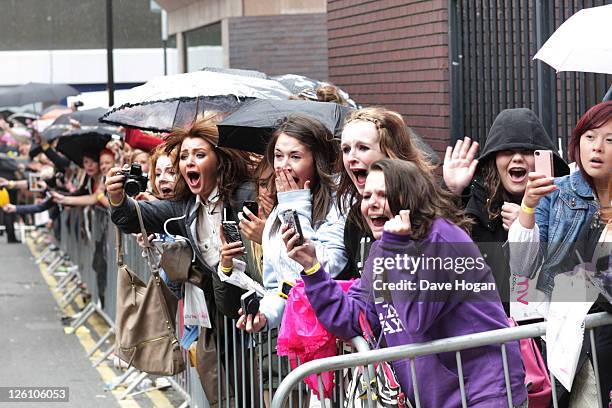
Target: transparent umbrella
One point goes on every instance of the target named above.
(176, 100)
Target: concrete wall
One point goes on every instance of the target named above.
(184, 15)
(394, 53)
(280, 44)
(201, 13)
(272, 7)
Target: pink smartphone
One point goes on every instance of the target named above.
(544, 162)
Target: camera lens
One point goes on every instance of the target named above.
(131, 188)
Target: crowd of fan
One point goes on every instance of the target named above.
(373, 185)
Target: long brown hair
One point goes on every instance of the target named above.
(494, 188)
(319, 140)
(233, 168)
(396, 142)
(410, 188)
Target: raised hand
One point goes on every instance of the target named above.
(9, 208)
(305, 254)
(229, 251)
(460, 165)
(400, 224)
(250, 323)
(509, 213)
(114, 185)
(285, 182)
(538, 185)
(266, 203)
(251, 225)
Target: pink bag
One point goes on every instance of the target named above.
(539, 389)
(302, 336)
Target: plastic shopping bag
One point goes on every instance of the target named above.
(302, 336)
(195, 311)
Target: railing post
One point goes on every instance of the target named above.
(455, 60)
(545, 95)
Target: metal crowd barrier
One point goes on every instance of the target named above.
(252, 375)
(454, 344)
(265, 383)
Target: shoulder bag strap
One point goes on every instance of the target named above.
(148, 247)
(119, 246)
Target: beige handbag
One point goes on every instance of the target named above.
(176, 260)
(145, 318)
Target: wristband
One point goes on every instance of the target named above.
(527, 210)
(225, 270)
(312, 269)
(116, 204)
(44, 146)
(99, 196)
(11, 184)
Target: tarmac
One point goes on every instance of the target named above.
(37, 352)
(40, 351)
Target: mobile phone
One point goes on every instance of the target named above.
(285, 289)
(291, 219)
(250, 302)
(252, 206)
(231, 232)
(544, 162)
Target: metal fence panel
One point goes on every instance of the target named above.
(491, 49)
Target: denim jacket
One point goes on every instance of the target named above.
(560, 216)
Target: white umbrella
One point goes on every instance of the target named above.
(175, 100)
(582, 43)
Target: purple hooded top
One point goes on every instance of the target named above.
(414, 314)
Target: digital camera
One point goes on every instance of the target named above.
(250, 302)
(134, 181)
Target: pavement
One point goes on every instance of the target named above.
(39, 351)
(36, 351)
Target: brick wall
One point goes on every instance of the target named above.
(285, 44)
(394, 53)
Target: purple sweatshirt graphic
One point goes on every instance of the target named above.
(402, 320)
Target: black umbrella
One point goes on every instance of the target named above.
(25, 118)
(76, 143)
(35, 92)
(61, 125)
(35, 150)
(250, 127)
(5, 113)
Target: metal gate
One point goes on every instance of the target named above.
(491, 49)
